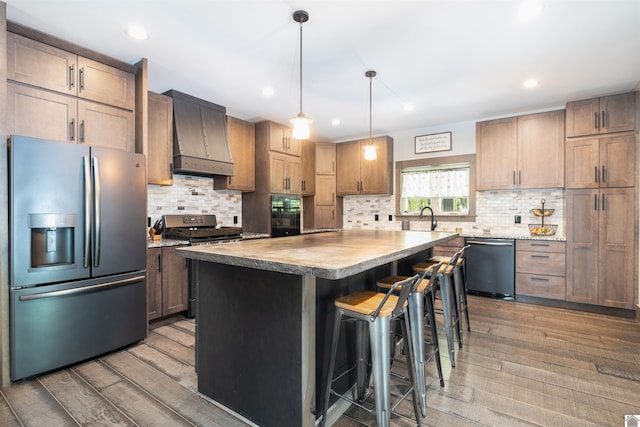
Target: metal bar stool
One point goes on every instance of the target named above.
(375, 310)
(421, 303)
(460, 283)
(450, 309)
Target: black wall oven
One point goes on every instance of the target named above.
(285, 215)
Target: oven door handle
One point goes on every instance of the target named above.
(81, 290)
(476, 242)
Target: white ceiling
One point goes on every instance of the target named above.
(453, 60)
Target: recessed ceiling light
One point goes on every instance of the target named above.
(408, 107)
(335, 122)
(529, 9)
(267, 91)
(531, 83)
(137, 33)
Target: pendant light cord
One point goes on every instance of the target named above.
(300, 67)
(370, 107)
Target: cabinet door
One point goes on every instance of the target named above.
(325, 217)
(541, 150)
(277, 177)
(582, 163)
(41, 114)
(616, 247)
(160, 146)
(277, 138)
(496, 154)
(242, 143)
(582, 246)
(374, 174)
(41, 65)
(175, 281)
(348, 170)
(308, 165)
(326, 190)
(583, 117)
(293, 174)
(102, 83)
(105, 126)
(325, 158)
(294, 146)
(617, 160)
(154, 283)
(618, 113)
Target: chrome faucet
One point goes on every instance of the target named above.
(434, 223)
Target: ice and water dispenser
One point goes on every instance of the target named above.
(52, 239)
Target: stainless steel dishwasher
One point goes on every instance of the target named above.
(490, 267)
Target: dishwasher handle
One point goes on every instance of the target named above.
(478, 242)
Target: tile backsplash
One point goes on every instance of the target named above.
(194, 195)
(495, 212)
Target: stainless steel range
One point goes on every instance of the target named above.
(198, 230)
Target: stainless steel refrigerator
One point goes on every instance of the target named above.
(77, 253)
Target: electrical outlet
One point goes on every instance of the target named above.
(390, 217)
(376, 217)
(518, 219)
(235, 219)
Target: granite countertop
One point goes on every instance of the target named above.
(177, 242)
(326, 255)
(556, 238)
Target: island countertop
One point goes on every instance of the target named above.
(331, 255)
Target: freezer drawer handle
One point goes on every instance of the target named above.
(83, 290)
(475, 242)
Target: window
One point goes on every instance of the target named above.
(445, 184)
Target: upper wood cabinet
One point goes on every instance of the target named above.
(47, 67)
(58, 95)
(600, 162)
(242, 142)
(354, 175)
(325, 158)
(284, 174)
(280, 139)
(308, 165)
(607, 114)
(525, 152)
(160, 137)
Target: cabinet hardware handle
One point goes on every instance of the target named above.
(541, 244)
(539, 256)
(604, 120)
(333, 214)
(519, 177)
(603, 205)
(159, 263)
(171, 169)
(302, 185)
(595, 120)
(595, 173)
(603, 175)
(595, 202)
(514, 178)
(539, 279)
(81, 78)
(72, 82)
(81, 131)
(72, 131)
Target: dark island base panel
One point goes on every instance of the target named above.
(247, 361)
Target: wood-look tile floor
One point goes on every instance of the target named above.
(522, 364)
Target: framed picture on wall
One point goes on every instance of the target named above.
(433, 142)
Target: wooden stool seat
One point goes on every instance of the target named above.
(366, 302)
(421, 267)
(387, 283)
(443, 259)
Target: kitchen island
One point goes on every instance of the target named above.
(265, 312)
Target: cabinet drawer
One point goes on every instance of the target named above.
(540, 246)
(542, 286)
(540, 263)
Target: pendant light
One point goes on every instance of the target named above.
(370, 149)
(301, 122)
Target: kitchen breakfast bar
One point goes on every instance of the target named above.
(265, 312)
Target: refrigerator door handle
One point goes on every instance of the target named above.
(82, 290)
(96, 212)
(87, 211)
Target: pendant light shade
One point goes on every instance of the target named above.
(301, 122)
(370, 152)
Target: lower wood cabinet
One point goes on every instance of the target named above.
(167, 282)
(540, 269)
(448, 248)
